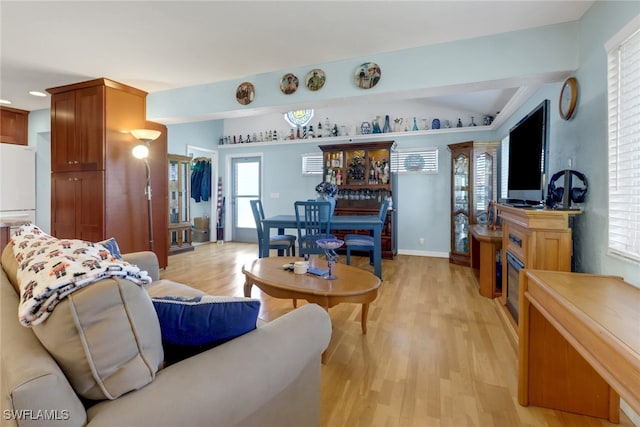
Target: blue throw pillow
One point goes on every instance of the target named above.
(112, 246)
(190, 325)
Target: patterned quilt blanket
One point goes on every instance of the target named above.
(49, 269)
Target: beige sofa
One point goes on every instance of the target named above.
(267, 377)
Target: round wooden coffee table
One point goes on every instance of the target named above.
(351, 284)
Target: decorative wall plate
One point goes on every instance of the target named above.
(367, 75)
(245, 93)
(315, 79)
(289, 83)
(414, 163)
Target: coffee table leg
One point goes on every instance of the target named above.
(363, 320)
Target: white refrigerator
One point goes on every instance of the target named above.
(17, 183)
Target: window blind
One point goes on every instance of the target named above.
(412, 160)
(312, 164)
(623, 76)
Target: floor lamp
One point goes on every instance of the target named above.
(142, 152)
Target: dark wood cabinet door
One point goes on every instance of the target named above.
(90, 127)
(63, 206)
(77, 205)
(77, 130)
(13, 126)
(63, 135)
(90, 206)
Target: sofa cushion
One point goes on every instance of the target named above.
(31, 379)
(190, 325)
(112, 246)
(105, 337)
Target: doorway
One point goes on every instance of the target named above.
(246, 182)
(206, 209)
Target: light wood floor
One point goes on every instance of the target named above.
(435, 354)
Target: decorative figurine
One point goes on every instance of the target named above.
(398, 122)
(415, 124)
(376, 125)
(365, 128)
(387, 125)
(487, 120)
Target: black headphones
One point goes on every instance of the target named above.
(576, 195)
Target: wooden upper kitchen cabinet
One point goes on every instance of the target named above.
(14, 125)
(98, 186)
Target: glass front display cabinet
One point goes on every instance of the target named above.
(473, 185)
(362, 172)
(179, 204)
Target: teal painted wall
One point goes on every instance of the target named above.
(423, 200)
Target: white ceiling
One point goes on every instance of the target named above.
(158, 45)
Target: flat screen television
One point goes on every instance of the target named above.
(528, 157)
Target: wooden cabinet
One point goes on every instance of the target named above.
(532, 239)
(14, 126)
(180, 238)
(473, 185)
(75, 209)
(78, 129)
(97, 185)
(363, 175)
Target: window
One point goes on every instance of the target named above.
(623, 76)
(504, 167)
(414, 160)
(312, 164)
(298, 117)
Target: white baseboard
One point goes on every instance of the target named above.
(423, 253)
(635, 418)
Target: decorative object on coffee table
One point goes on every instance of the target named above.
(329, 246)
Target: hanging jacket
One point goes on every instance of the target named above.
(201, 181)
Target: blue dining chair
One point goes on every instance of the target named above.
(284, 243)
(314, 223)
(363, 242)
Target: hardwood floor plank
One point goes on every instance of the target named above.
(435, 354)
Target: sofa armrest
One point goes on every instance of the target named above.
(145, 260)
(225, 385)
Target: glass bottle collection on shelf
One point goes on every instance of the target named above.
(328, 129)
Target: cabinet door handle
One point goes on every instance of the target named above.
(515, 240)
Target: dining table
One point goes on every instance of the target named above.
(338, 222)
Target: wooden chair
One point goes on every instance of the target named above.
(314, 222)
(363, 242)
(284, 243)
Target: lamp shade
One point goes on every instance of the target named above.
(145, 134)
(140, 151)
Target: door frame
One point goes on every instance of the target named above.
(227, 191)
(215, 170)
